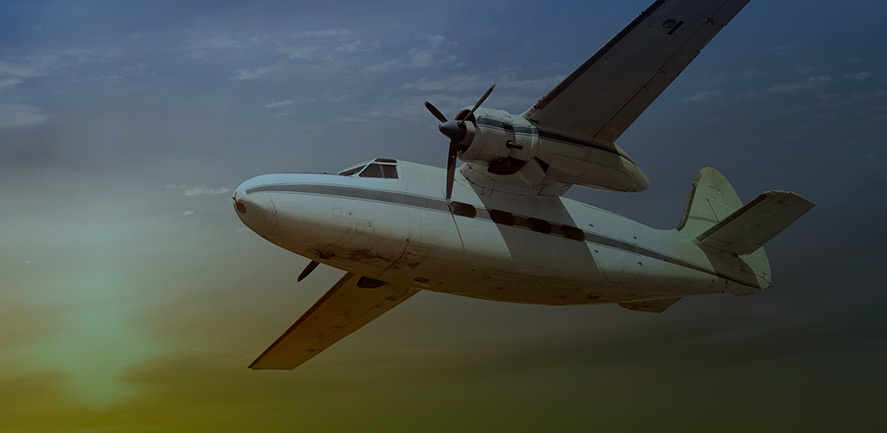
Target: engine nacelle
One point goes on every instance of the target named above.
(502, 141)
(502, 144)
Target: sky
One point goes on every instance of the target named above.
(132, 298)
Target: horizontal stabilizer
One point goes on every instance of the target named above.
(351, 303)
(752, 225)
(656, 306)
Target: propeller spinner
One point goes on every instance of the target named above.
(456, 131)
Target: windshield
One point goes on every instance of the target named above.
(351, 171)
(382, 168)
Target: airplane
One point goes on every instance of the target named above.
(499, 228)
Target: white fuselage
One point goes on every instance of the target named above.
(491, 245)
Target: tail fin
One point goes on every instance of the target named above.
(716, 220)
(711, 200)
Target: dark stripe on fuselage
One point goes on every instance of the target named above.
(435, 204)
(486, 121)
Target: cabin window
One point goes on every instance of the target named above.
(501, 217)
(463, 209)
(573, 233)
(538, 225)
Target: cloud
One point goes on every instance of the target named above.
(200, 48)
(9, 83)
(809, 83)
(138, 68)
(335, 98)
(17, 70)
(51, 61)
(45, 63)
(327, 33)
(279, 104)
(805, 70)
(542, 84)
(451, 83)
(20, 115)
(383, 66)
(254, 74)
(297, 51)
(205, 190)
(859, 76)
(349, 47)
(431, 54)
(699, 96)
(784, 50)
(220, 41)
(188, 213)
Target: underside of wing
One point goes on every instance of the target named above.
(351, 303)
(601, 98)
(656, 306)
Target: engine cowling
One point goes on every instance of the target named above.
(502, 141)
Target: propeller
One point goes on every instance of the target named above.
(456, 131)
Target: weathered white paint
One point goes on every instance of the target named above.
(440, 251)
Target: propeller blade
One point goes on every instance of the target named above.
(481, 100)
(451, 167)
(435, 112)
(308, 269)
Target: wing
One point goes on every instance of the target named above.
(656, 306)
(601, 98)
(353, 302)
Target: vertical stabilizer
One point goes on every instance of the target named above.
(711, 200)
(733, 235)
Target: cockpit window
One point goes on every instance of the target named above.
(351, 171)
(372, 170)
(382, 168)
(386, 171)
(389, 171)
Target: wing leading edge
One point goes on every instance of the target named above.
(351, 303)
(602, 98)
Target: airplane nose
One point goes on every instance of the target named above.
(254, 207)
